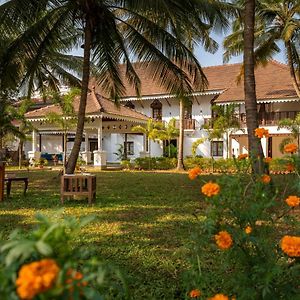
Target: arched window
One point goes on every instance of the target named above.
(129, 104)
(156, 110)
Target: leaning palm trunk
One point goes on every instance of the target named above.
(20, 152)
(291, 66)
(255, 148)
(180, 165)
(82, 105)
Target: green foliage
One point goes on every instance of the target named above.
(156, 163)
(254, 266)
(120, 152)
(170, 151)
(196, 144)
(53, 239)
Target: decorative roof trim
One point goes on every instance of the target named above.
(167, 96)
(259, 101)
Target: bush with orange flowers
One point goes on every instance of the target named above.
(238, 248)
(290, 148)
(261, 132)
(242, 156)
(42, 265)
(194, 173)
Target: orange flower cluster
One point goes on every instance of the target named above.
(223, 240)
(193, 173)
(261, 132)
(265, 179)
(248, 229)
(194, 293)
(242, 156)
(210, 189)
(291, 245)
(290, 167)
(219, 297)
(292, 201)
(268, 160)
(75, 276)
(36, 277)
(290, 148)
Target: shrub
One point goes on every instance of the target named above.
(44, 264)
(155, 163)
(246, 244)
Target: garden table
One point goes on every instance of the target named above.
(9, 180)
(78, 185)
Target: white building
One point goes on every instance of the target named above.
(276, 96)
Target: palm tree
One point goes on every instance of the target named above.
(275, 21)
(255, 147)
(225, 123)
(8, 116)
(111, 31)
(168, 133)
(66, 120)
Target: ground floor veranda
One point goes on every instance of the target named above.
(104, 140)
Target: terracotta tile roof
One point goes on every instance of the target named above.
(95, 105)
(219, 77)
(272, 82)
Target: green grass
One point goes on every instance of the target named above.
(143, 222)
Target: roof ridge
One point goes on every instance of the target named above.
(222, 65)
(278, 63)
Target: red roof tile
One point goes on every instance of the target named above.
(95, 105)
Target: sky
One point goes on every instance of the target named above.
(207, 59)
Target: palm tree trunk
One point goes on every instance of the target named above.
(20, 152)
(180, 165)
(82, 105)
(291, 66)
(65, 152)
(227, 145)
(255, 148)
(169, 148)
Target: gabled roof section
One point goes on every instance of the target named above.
(96, 106)
(273, 82)
(218, 77)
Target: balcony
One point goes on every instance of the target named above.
(270, 118)
(188, 124)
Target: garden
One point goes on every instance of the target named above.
(154, 235)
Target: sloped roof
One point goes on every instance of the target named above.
(273, 82)
(96, 105)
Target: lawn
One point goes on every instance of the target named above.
(143, 222)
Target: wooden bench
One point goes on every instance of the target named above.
(9, 180)
(78, 185)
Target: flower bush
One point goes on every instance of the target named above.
(246, 244)
(44, 264)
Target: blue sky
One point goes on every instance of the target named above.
(208, 59)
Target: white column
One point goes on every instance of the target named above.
(264, 143)
(144, 152)
(34, 155)
(100, 156)
(86, 142)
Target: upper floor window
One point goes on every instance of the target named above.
(188, 111)
(156, 110)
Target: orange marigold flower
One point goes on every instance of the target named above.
(290, 148)
(265, 179)
(248, 229)
(223, 240)
(292, 201)
(291, 245)
(290, 167)
(242, 156)
(75, 276)
(261, 132)
(219, 297)
(193, 173)
(194, 293)
(268, 160)
(36, 277)
(210, 189)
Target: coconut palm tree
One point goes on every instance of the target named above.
(111, 31)
(275, 22)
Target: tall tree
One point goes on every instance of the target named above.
(110, 31)
(255, 148)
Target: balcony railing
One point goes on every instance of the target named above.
(271, 118)
(265, 118)
(189, 124)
